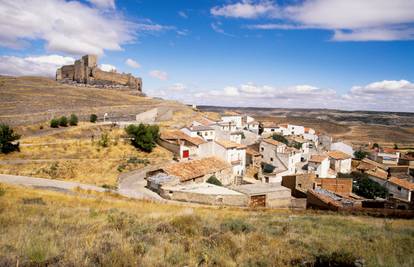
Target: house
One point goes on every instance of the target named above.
(253, 158)
(182, 145)
(310, 134)
(233, 153)
(388, 156)
(266, 195)
(319, 164)
(340, 161)
(299, 184)
(270, 127)
(295, 129)
(227, 126)
(253, 126)
(406, 159)
(206, 132)
(397, 187)
(235, 119)
(193, 171)
(203, 121)
(343, 147)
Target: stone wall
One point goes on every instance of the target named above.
(342, 186)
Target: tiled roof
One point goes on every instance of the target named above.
(402, 182)
(196, 168)
(317, 158)
(389, 150)
(230, 144)
(205, 121)
(284, 125)
(338, 155)
(252, 152)
(179, 135)
(378, 173)
(273, 142)
(196, 128)
(372, 162)
(270, 124)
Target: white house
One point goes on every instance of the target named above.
(295, 129)
(227, 126)
(340, 161)
(271, 127)
(206, 132)
(182, 145)
(341, 146)
(310, 135)
(319, 164)
(389, 156)
(233, 153)
(235, 119)
(253, 126)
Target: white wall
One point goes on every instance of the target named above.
(341, 146)
(235, 119)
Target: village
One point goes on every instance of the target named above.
(239, 161)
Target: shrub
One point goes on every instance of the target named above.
(214, 180)
(367, 188)
(236, 226)
(359, 154)
(280, 138)
(73, 120)
(2, 191)
(104, 141)
(54, 123)
(297, 145)
(143, 136)
(375, 145)
(7, 139)
(93, 118)
(63, 121)
(340, 258)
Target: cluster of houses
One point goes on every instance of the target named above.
(265, 164)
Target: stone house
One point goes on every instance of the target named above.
(205, 132)
(265, 195)
(340, 161)
(233, 153)
(319, 164)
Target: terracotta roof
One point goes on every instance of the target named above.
(402, 182)
(378, 173)
(389, 150)
(270, 124)
(205, 121)
(317, 158)
(230, 144)
(273, 142)
(196, 128)
(179, 135)
(307, 130)
(252, 152)
(285, 125)
(372, 162)
(338, 155)
(196, 168)
(365, 166)
(225, 123)
(231, 113)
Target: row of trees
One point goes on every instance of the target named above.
(72, 121)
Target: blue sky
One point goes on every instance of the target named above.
(344, 54)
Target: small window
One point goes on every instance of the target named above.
(272, 130)
(299, 185)
(399, 188)
(271, 159)
(262, 149)
(267, 180)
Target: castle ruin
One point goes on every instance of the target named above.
(85, 71)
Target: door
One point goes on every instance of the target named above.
(258, 201)
(186, 154)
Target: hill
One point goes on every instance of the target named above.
(43, 228)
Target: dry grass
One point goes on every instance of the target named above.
(40, 227)
(73, 155)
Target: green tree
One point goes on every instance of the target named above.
(375, 145)
(280, 138)
(7, 139)
(73, 120)
(104, 141)
(365, 187)
(63, 121)
(359, 154)
(54, 123)
(214, 180)
(143, 136)
(297, 145)
(395, 146)
(93, 118)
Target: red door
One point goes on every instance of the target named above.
(186, 153)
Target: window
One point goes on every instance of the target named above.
(267, 179)
(299, 185)
(399, 188)
(272, 130)
(262, 149)
(271, 159)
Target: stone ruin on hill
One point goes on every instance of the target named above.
(85, 72)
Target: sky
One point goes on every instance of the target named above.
(338, 54)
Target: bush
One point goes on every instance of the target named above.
(214, 180)
(297, 145)
(340, 258)
(2, 191)
(360, 154)
(7, 139)
(236, 226)
(143, 136)
(104, 141)
(54, 123)
(73, 120)
(280, 138)
(93, 118)
(63, 121)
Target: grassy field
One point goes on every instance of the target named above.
(49, 228)
(74, 155)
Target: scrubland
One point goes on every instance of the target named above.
(39, 228)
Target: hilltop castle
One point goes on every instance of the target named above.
(86, 71)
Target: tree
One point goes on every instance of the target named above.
(395, 146)
(359, 154)
(7, 139)
(261, 128)
(214, 180)
(365, 187)
(375, 145)
(143, 136)
(63, 121)
(297, 145)
(280, 138)
(54, 123)
(73, 120)
(93, 118)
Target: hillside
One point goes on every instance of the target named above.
(32, 100)
(42, 228)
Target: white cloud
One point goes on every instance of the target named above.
(178, 87)
(67, 26)
(107, 67)
(132, 63)
(182, 14)
(216, 26)
(350, 20)
(246, 9)
(385, 88)
(161, 75)
(45, 65)
(103, 3)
